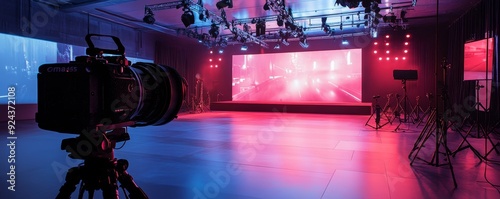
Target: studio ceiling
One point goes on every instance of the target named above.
(306, 13)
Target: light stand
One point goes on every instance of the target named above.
(437, 126)
(377, 113)
(406, 101)
(427, 111)
(480, 129)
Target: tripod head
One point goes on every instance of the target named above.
(97, 143)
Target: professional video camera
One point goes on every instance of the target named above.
(98, 89)
(98, 97)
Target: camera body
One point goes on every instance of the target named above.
(95, 90)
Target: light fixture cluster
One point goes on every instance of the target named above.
(285, 18)
(394, 22)
(389, 50)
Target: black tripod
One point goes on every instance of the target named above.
(100, 170)
(436, 125)
(480, 130)
(378, 114)
(427, 111)
(403, 108)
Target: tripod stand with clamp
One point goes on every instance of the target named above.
(480, 130)
(100, 169)
(436, 125)
(427, 111)
(406, 101)
(378, 114)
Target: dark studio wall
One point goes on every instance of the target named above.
(480, 22)
(28, 18)
(377, 74)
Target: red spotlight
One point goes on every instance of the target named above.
(375, 43)
(387, 36)
(220, 59)
(380, 58)
(406, 51)
(211, 52)
(216, 66)
(396, 58)
(404, 58)
(210, 60)
(211, 66)
(387, 44)
(388, 58)
(406, 43)
(375, 52)
(408, 36)
(387, 52)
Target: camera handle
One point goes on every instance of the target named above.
(93, 51)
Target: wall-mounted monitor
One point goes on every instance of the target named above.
(478, 66)
(332, 76)
(478, 59)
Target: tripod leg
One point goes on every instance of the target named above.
(127, 181)
(73, 177)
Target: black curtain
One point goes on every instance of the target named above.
(480, 22)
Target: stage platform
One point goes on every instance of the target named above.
(294, 107)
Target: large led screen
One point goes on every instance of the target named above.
(332, 76)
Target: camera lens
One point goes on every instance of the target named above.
(160, 91)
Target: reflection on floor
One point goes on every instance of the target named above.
(237, 155)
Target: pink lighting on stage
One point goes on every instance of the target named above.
(298, 76)
(406, 51)
(387, 52)
(210, 60)
(380, 58)
(408, 36)
(404, 58)
(396, 58)
(220, 59)
(387, 58)
(216, 66)
(375, 43)
(374, 52)
(387, 36)
(406, 43)
(387, 44)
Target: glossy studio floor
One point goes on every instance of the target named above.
(247, 155)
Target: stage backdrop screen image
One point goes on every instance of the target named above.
(478, 66)
(332, 76)
(20, 58)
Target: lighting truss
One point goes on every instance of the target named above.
(218, 19)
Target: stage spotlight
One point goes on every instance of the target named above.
(345, 42)
(221, 51)
(244, 47)
(188, 17)
(303, 41)
(266, 6)
(148, 16)
(279, 21)
(224, 3)
(214, 30)
(403, 16)
(260, 27)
